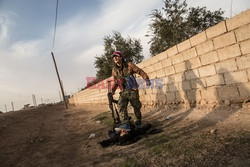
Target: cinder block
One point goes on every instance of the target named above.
(185, 85)
(148, 91)
(149, 69)
(215, 80)
(160, 97)
(180, 96)
(170, 97)
(165, 89)
(146, 69)
(238, 20)
(180, 67)
(142, 98)
(179, 77)
(168, 80)
(243, 33)
(229, 52)
(103, 91)
(245, 47)
(199, 38)
(154, 91)
(205, 47)
(147, 98)
(162, 55)
(184, 45)
(172, 51)
(191, 74)
(157, 88)
(152, 75)
(157, 66)
(147, 62)
(160, 73)
(154, 60)
(207, 71)
(142, 92)
(236, 77)
(169, 70)
(140, 65)
(226, 66)
(243, 62)
(209, 94)
(224, 40)
(244, 90)
(166, 62)
(177, 58)
(209, 58)
(188, 54)
(153, 97)
(216, 30)
(228, 93)
(173, 87)
(193, 63)
(198, 83)
(193, 95)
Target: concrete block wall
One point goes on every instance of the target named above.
(210, 67)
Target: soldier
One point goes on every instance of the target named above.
(123, 74)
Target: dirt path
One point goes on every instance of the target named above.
(54, 136)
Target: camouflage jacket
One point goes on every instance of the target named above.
(124, 76)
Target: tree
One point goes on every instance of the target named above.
(177, 23)
(130, 48)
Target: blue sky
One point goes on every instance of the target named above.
(26, 32)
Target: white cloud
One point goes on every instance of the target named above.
(4, 32)
(90, 53)
(25, 49)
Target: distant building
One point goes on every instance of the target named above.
(26, 106)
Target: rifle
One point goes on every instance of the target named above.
(116, 118)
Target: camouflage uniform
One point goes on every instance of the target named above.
(125, 80)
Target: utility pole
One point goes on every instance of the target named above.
(6, 108)
(33, 98)
(60, 96)
(60, 83)
(12, 104)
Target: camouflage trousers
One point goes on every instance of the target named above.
(131, 96)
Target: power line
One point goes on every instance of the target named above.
(55, 26)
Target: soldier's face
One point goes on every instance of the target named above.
(117, 60)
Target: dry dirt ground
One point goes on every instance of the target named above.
(58, 137)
